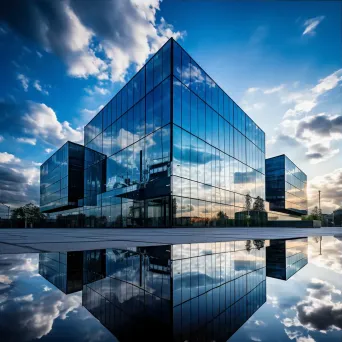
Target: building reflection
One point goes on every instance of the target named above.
(181, 292)
(284, 258)
(65, 270)
(186, 292)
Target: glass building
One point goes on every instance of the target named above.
(286, 186)
(284, 258)
(170, 149)
(61, 178)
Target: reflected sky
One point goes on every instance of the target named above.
(33, 309)
(305, 308)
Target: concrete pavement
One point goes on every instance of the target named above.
(53, 240)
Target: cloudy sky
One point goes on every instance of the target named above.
(61, 61)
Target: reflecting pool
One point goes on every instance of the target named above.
(251, 290)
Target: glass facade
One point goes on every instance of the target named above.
(218, 152)
(170, 149)
(286, 186)
(284, 258)
(61, 178)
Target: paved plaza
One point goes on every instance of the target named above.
(48, 240)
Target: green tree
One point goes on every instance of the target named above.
(259, 204)
(259, 243)
(248, 206)
(316, 214)
(222, 218)
(30, 213)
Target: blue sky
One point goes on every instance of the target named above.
(281, 61)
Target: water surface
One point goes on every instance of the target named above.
(252, 290)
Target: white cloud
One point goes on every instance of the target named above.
(24, 81)
(39, 315)
(39, 88)
(39, 54)
(26, 298)
(330, 259)
(330, 185)
(252, 90)
(256, 339)
(274, 90)
(5, 279)
(307, 99)
(260, 323)
(19, 183)
(100, 41)
(311, 24)
(8, 158)
(48, 150)
(251, 107)
(27, 265)
(96, 90)
(316, 133)
(1, 138)
(328, 83)
(273, 300)
(41, 121)
(88, 114)
(46, 288)
(32, 175)
(30, 141)
(318, 311)
(293, 334)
